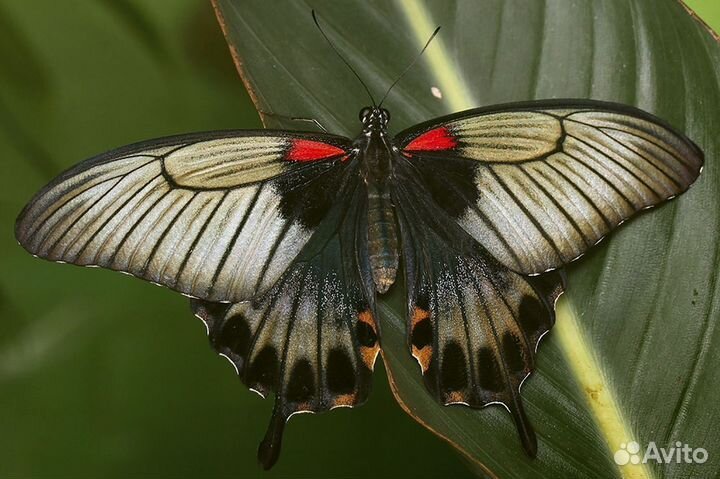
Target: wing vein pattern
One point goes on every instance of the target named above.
(550, 178)
(217, 216)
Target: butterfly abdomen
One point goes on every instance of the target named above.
(382, 238)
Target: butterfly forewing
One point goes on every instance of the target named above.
(539, 183)
(217, 216)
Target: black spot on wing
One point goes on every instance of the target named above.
(233, 338)
(210, 313)
(340, 372)
(453, 368)
(264, 370)
(533, 317)
(301, 385)
(365, 334)
(489, 371)
(422, 334)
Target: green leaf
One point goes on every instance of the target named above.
(632, 357)
(102, 375)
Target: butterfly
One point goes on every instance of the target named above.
(284, 240)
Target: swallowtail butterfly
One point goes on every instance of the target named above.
(284, 239)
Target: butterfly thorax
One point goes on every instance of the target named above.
(375, 155)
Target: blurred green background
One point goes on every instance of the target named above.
(102, 375)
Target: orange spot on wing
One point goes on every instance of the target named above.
(418, 315)
(367, 318)
(309, 150)
(455, 397)
(422, 355)
(433, 140)
(345, 400)
(369, 353)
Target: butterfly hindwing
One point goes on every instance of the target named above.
(473, 324)
(538, 183)
(218, 216)
(311, 339)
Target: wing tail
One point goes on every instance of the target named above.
(474, 325)
(524, 428)
(312, 339)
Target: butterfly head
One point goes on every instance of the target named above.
(374, 118)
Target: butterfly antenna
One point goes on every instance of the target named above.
(337, 52)
(407, 69)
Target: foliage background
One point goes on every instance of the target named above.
(102, 375)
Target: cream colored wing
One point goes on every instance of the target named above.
(539, 183)
(216, 216)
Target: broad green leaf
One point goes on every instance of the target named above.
(633, 354)
(103, 375)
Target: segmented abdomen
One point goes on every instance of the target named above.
(382, 239)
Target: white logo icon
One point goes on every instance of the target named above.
(628, 453)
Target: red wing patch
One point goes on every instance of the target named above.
(433, 140)
(308, 150)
